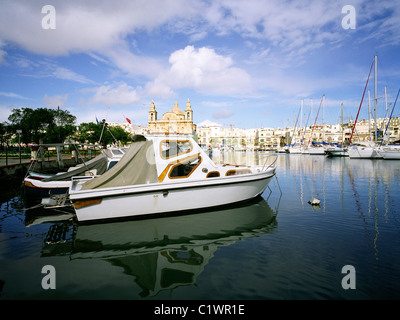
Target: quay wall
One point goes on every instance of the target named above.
(14, 173)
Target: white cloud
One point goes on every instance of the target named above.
(55, 101)
(205, 71)
(223, 114)
(120, 94)
(2, 56)
(13, 95)
(132, 64)
(66, 74)
(208, 123)
(91, 27)
(82, 25)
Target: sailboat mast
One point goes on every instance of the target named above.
(323, 120)
(369, 117)
(386, 107)
(359, 108)
(376, 96)
(342, 126)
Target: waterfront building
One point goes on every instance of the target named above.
(173, 121)
(217, 135)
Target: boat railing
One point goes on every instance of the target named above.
(270, 165)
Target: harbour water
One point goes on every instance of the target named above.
(275, 247)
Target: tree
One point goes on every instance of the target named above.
(48, 125)
(88, 132)
(5, 134)
(92, 133)
(119, 134)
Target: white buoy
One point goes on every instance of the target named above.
(314, 202)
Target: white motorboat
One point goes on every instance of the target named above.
(166, 174)
(41, 185)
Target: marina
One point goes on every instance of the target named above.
(277, 246)
(225, 151)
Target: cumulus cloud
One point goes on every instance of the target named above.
(82, 25)
(204, 70)
(119, 94)
(85, 26)
(104, 27)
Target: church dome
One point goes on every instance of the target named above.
(176, 109)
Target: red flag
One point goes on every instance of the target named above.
(128, 120)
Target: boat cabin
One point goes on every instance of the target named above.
(180, 157)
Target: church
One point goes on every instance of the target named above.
(173, 121)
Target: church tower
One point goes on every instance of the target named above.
(172, 121)
(188, 112)
(152, 117)
(152, 112)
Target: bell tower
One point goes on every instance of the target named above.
(188, 112)
(152, 113)
(152, 117)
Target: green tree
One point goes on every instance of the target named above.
(119, 134)
(92, 133)
(88, 132)
(48, 125)
(5, 133)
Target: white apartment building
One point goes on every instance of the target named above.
(217, 136)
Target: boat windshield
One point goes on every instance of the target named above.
(173, 148)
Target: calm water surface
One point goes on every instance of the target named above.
(276, 247)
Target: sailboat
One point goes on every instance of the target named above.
(293, 148)
(367, 149)
(314, 150)
(390, 152)
(339, 151)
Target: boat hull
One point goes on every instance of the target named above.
(337, 153)
(390, 155)
(153, 199)
(316, 151)
(295, 151)
(363, 153)
(37, 188)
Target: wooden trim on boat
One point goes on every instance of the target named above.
(197, 156)
(176, 163)
(213, 174)
(84, 203)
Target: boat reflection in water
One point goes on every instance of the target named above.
(168, 252)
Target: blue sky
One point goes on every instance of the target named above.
(247, 63)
